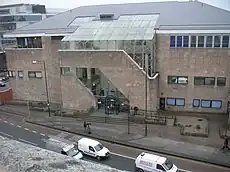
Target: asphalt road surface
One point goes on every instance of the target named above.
(122, 157)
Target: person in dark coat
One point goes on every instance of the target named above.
(84, 125)
(226, 143)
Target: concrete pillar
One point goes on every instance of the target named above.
(89, 78)
(72, 45)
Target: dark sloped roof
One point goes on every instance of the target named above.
(171, 14)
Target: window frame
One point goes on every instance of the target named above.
(62, 69)
(199, 103)
(170, 39)
(227, 43)
(208, 45)
(200, 77)
(191, 43)
(184, 41)
(35, 74)
(221, 85)
(198, 44)
(181, 41)
(11, 73)
(216, 107)
(215, 44)
(175, 101)
(204, 80)
(205, 106)
(22, 72)
(171, 99)
(209, 78)
(180, 104)
(177, 79)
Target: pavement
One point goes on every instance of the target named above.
(136, 139)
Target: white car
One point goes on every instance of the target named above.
(151, 163)
(71, 151)
(93, 148)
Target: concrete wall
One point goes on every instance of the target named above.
(192, 62)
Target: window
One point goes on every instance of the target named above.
(11, 73)
(193, 41)
(172, 41)
(31, 42)
(65, 71)
(221, 81)
(200, 41)
(185, 41)
(204, 80)
(34, 74)
(20, 74)
(180, 102)
(171, 101)
(176, 101)
(179, 41)
(196, 103)
(225, 41)
(205, 103)
(209, 41)
(216, 104)
(217, 41)
(91, 149)
(177, 80)
(159, 167)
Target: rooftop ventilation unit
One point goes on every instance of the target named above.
(106, 16)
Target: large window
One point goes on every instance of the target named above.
(179, 41)
(172, 41)
(201, 41)
(196, 103)
(216, 104)
(209, 41)
(204, 80)
(20, 74)
(221, 81)
(193, 41)
(185, 41)
(31, 42)
(177, 80)
(65, 71)
(34, 74)
(175, 101)
(217, 41)
(11, 74)
(225, 42)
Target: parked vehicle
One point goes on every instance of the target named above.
(63, 148)
(93, 148)
(2, 84)
(153, 163)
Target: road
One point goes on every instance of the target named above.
(122, 157)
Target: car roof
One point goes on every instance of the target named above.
(89, 141)
(152, 158)
(68, 147)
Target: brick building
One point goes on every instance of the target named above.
(94, 51)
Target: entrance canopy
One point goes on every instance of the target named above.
(126, 27)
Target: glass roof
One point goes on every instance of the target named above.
(126, 27)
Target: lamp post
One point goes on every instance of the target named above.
(146, 93)
(46, 83)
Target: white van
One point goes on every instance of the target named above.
(153, 163)
(93, 148)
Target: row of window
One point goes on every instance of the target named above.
(20, 18)
(216, 104)
(198, 80)
(30, 42)
(20, 74)
(193, 41)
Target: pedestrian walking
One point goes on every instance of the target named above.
(84, 125)
(226, 143)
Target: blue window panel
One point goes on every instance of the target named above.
(206, 103)
(172, 41)
(171, 101)
(185, 41)
(180, 102)
(179, 41)
(225, 42)
(216, 104)
(196, 103)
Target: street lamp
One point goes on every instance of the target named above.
(146, 93)
(46, 84)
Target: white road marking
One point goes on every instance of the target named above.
(6, 134)
(6, 121)
(34, 131)
(11, 123)
(19, 126)
(42, 134)
(28, 142)
(26, 129)
(128, 157)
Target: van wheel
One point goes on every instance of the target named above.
(98, 158)
(140, 170)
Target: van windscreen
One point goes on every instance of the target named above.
(168, 164)
(98, 147)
